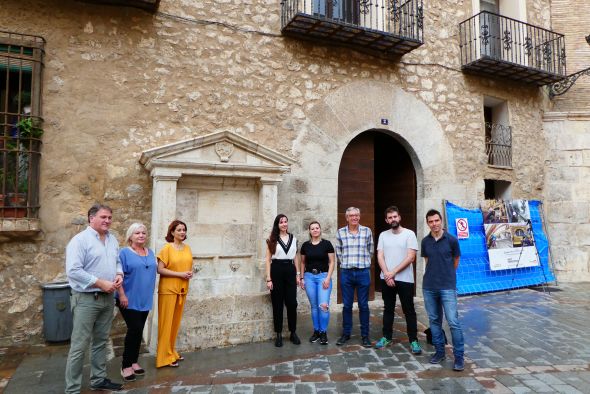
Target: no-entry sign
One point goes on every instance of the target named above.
(462, 228)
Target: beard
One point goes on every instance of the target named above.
(394, 225)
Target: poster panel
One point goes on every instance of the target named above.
(509, 234)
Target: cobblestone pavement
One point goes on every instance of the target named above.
(523, 341)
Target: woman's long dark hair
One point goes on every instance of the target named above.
(274, 234)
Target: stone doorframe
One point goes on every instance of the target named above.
(352, 109)
(222, 154)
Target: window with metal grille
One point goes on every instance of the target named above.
(498, 132)
(21, 125)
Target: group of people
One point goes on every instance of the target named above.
(396, 251)
(284, 264)
(98, 270)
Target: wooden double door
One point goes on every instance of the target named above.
(376, 171)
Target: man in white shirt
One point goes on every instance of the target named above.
(396, 251)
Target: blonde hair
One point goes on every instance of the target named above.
(132, 229)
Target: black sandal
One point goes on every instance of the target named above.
(139, 370)
(127, 378)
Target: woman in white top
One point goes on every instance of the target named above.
(282, 277)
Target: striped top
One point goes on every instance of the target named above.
(354, 250)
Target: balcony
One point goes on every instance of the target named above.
(148, 5)
(499, 145)
(388, 28)
(502, 47)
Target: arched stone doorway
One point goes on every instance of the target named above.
(352, 110)
(375, 172)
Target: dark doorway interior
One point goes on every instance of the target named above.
(376, 171)
(496, 190)
(395, 184)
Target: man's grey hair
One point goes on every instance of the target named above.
(132, 229)
(97, 207)
(352, 209)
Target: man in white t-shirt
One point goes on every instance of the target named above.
(396, 251)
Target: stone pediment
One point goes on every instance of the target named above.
(219, 154)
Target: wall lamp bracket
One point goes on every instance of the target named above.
(560, 87)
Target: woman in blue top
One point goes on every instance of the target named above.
(135, 297)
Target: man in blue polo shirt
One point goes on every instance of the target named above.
(441, 254)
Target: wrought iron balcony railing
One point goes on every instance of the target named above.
(385, 27)
(503, 47)
(148, 5)
(499, 144)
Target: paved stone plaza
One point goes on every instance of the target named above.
(523, 341)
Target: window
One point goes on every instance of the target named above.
(345, 10)
(498, 133)
(497, 190)
(490, 28)
(21, 126)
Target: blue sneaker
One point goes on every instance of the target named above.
(416, 348)
(437, 358)
(382, 343)
(459, 364)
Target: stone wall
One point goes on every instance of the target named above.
(566, 127)
(566, 20)
(567, 194)
(118, 81)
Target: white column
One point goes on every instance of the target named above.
(163, 206)
(163, 212)
(267, 210)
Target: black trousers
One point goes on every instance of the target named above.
(405, 291)
(135, 321)
(284, 292)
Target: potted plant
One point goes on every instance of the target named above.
(29, 127)
(29, 133)
(16, 197)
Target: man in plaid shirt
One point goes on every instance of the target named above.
(354, 249)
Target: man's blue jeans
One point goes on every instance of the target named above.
(435, 302)
(318, 296)
(351, 279)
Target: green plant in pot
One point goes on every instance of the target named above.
(29, 128)
(16, 196)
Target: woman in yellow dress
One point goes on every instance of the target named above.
(175, 266)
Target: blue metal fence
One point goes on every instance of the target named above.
(474, 274)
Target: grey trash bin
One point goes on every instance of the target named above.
(57, 314)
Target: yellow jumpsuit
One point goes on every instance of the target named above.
(171, 296)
